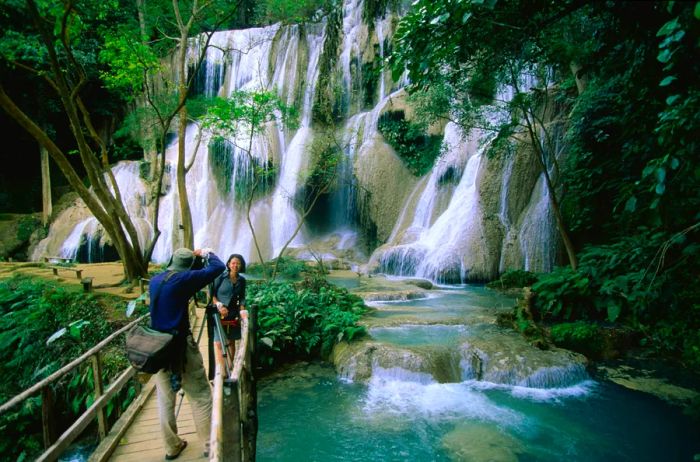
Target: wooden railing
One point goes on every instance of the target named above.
(234, 425)
(55, 446)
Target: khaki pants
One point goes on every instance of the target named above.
(198, 391)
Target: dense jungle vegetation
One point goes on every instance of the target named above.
(42, 328)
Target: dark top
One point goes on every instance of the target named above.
(231, 295)
(174, 295)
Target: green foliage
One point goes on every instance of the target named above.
(245, 113)
(303, 320)
(31, 313)
(372, 9)
(513, 279)
(129, 59)
(287, 268)
(291, 11)
(26, 226)
(578, 336)
(562, 294)
(642, 281)
(417, 149)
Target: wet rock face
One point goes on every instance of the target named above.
(499, 357)
(511, 360)
(16, 233)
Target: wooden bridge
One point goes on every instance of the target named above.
(136, 436)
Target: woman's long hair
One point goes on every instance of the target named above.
(240, 258)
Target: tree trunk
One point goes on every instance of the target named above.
(185, 213)
(101, 207)
(45, 186)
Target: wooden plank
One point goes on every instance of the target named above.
(142, 441)
(47, 416)
(107, 446)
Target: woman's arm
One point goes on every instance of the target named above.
(223, 310)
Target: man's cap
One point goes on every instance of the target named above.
(181, 260)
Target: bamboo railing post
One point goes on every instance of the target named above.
(99, 390)
(252, 362)
(231, 437)
(48, 422)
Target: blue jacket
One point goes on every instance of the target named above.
(171, 310)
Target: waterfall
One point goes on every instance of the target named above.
(435, 253)
(294, 160)
(440, 227)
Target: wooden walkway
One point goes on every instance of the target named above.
(142, 442)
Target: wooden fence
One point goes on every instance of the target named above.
(55, 446)
(234, 408)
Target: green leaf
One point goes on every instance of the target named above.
(664, 56)
(613, 312)
(667, 80)
(697, 16)
(672, 99)
(675, 163)
(442, 18)
(660, 174)
(660, 188)
(76, 328)
(668, 28)
(466, 17)
(631, 204)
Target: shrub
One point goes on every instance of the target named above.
(579, 336)
(303, 320)
(41, 329)
(513, 279)
(417, 149)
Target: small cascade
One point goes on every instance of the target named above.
(350, 49)
(71, 245)
(538, 233)
(295, 161)
(435, 254)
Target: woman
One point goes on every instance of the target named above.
(228, 299)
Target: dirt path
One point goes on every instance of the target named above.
(106, 276)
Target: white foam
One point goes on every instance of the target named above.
(437, 401)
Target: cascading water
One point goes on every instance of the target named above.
(440, 231)
(434, 253)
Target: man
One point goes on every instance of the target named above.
(170, 293)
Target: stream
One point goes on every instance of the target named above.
(309, 411)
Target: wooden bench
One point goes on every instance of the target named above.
(78, 272)
(57, 260)
(87, 283)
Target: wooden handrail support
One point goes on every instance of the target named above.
(230, 402)
(143, 284)
(101, 397)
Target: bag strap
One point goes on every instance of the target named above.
(165, 279)
(217, 285)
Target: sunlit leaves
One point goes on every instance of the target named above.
(129, 61)
(246, 113)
